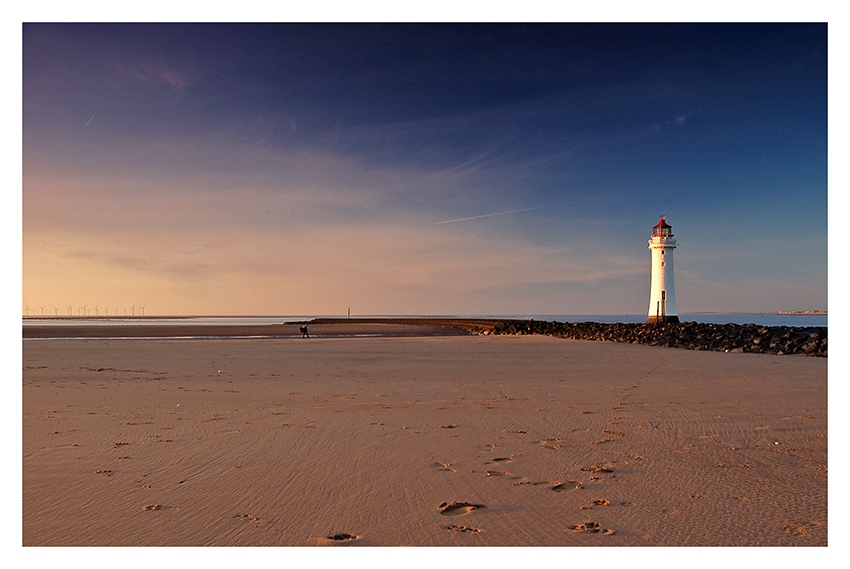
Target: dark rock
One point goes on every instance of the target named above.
(734, 338)
(780, 340)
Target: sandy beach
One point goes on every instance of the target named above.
(366, 438)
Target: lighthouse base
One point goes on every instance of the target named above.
(667, 319)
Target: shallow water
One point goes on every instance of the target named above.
(764, 319)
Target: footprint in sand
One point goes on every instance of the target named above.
(591, 527)
(595, 503)
(598, 468)
(443, 467)
(463, 529)
(458, 508)
(523, 480)
(252, 518)
(342, 537)
(567, 486)
(799, 527)
(157, 507)
(499, 473)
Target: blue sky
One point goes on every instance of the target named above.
(422, 169)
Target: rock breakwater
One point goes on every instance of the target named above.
(749, 338)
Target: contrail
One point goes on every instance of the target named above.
(92, 117)
(488, 215)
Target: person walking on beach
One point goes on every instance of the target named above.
(305, 331)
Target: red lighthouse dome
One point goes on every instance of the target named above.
(662, 228)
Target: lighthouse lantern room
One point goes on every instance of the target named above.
(662, 295)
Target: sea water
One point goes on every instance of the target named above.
(763, 319)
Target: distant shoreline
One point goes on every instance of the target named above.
(268, 331)
(751, 338)
(284, 317)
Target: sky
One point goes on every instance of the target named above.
(434, 169)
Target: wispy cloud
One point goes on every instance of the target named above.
(488, 215)
(680, 119)
(92, 117)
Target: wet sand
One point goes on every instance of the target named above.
(429, 440)
(283, 330)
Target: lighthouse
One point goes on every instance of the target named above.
(662, 295)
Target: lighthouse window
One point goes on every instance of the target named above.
(663, 251)
(663, 264)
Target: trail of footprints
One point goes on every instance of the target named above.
(455, 508)
(554, 443)
(589, 527)
(465, 508)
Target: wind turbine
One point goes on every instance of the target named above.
(143, 310)
(133, 310)
(28, 309)
(95, 310)
(42, 310)
(55, 311)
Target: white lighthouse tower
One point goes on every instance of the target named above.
(662, 295)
